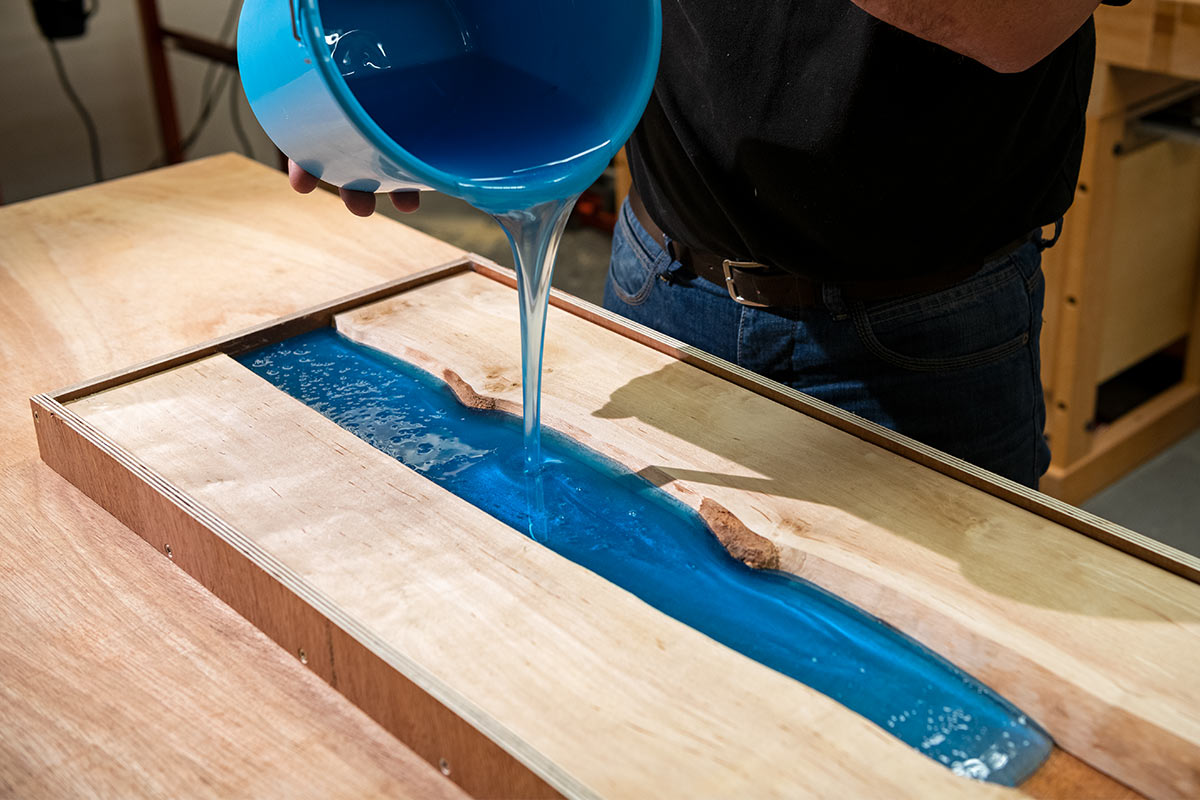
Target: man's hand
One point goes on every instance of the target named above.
(360, 204)
(1006, 35)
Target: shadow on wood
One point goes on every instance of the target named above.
(984, 556)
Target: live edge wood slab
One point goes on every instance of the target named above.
(520, 673)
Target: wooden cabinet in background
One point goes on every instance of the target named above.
(1152, 36)
(1123, 282)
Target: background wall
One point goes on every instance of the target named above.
(43, 147)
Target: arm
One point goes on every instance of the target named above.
(1006, 35)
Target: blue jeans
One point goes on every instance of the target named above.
(957, 368)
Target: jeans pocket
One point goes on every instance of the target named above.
(979, 321)
(632, 268)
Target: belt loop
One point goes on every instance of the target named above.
(669, 246)
(672, 273)
(831, 295)
(1042, 243)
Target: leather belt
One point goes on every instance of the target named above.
(762, 286)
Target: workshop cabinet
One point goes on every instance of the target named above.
(1122, 286)
(1149, 298)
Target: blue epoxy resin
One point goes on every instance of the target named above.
(635, 535)
(482, 121)
(534, 235)
(486, 122)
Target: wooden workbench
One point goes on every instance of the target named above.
(119, 675)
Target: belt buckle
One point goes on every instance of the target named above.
(729, 265)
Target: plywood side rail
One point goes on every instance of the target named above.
(309, 319)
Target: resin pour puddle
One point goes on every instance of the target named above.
(636, 536)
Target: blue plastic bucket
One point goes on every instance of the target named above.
(504, 103)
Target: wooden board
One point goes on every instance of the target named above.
(1034, 609)
(596, 692)
(120, 676)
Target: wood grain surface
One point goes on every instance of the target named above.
(597, 692)
(119, 675)
(1098, 646)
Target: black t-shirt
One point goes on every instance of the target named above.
(813, 137)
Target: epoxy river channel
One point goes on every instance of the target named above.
(638, 537)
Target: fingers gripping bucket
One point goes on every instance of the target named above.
(505, 104)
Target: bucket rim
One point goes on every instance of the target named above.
(311, 28)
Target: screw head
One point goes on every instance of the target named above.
(444, 766)
(303, 656)
(167, 550)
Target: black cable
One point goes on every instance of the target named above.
(206, 110)
(88, 123)
(210, 73)
(210, 92)
(235, 117)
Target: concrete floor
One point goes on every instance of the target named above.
(1160, 499)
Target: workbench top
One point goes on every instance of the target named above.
(120, 676)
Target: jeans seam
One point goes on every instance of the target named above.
(635, 231)
(1034, 378)
(741, 329)
(862, 326)
(1032, 280)
(638, 297)
(644, 258)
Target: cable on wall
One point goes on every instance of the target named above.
(49, 32)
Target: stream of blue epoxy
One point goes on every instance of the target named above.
(635, 535)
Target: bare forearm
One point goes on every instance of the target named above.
(1006, 35)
